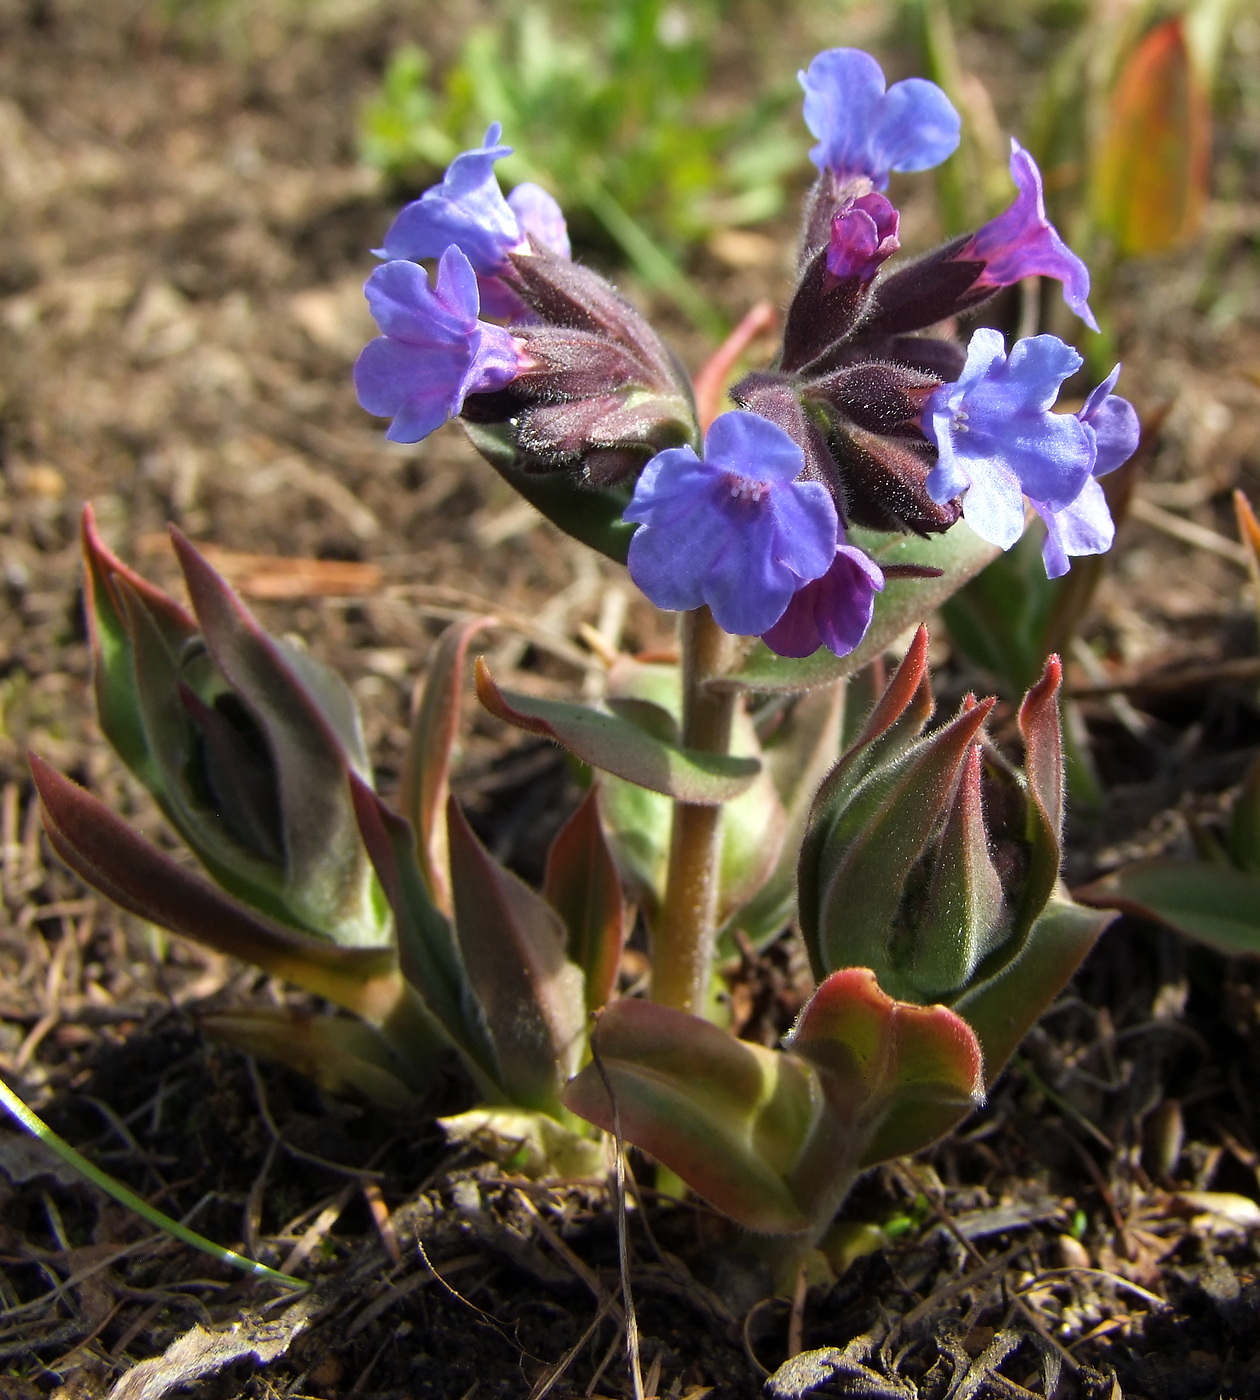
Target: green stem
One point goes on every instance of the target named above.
(685, 931)
(36, 1126)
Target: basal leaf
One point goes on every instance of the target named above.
(727, 1116)
(1209, 903)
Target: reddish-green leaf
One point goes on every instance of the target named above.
(1153, 160)
(896, 1076)
(427, 767)
(727, 1116)
(581, 885)
(114, 859)
(618, 746)
(513, 946)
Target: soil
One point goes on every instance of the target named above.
(185, 230)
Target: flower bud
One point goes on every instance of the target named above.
(927, 858)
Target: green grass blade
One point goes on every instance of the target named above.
(38, 1128)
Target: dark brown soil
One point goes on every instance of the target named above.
(185, 232)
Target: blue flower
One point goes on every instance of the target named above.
(863, 130)
(734, 529)
(997, 440)
(863, 235)
(1021, 242)
(833, 611)
(434, 350)
(1084, 526)
(468, 210)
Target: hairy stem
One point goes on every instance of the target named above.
(686, 928)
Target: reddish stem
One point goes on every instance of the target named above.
(710, 383)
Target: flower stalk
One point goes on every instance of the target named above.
(685, 931)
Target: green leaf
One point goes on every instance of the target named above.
(590, 515)
(427, 951)
(620, 747)
(1002, 1007)
(113, 659)
(959, 553)
(1208, 903)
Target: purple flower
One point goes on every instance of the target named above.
(1084, 526)
(863, 235)
(468, 210)
(1021, 242)
(833, 611)
(863, 130)
(540, 218)
(734, 529)
(997, 440)
(433, 351)
(1114, 423)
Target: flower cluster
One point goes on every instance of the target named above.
(866, 419)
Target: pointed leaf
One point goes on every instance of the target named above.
(1153, 162)
(875, 842)
(620, 747)
(113, 672)
(340, 1055)
(427, 950)
(896, 1076)
(513, 946)
(425, 783)
(114, 859)
(959, 554)
(1210, 904)
(962, 918)
(1002, 1008)
(1042, 732)
(727, 1116)
(581, 885)
(328, 875)
(896, 720)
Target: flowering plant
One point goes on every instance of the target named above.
(856, 482)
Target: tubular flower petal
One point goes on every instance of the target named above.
(833, 611)
(863, 129)
(1021, 242)
(1115, 425)
(540, 218)
(466, 209)
(863, 235)
(734, 529)
(1084, 526)
(433, 351)
(997, 439)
